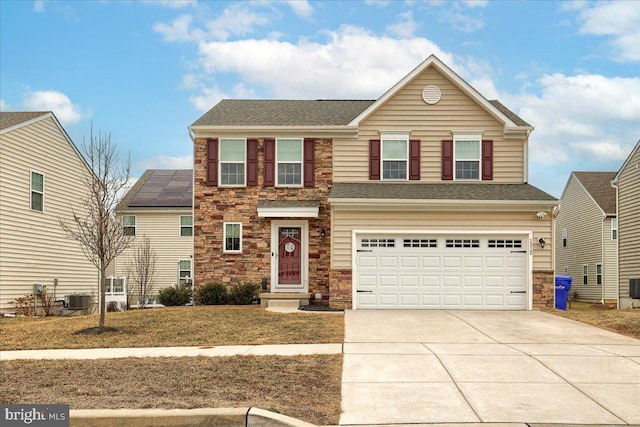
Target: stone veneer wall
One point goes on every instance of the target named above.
(341, 295)
(215, 205)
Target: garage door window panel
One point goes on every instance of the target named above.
(463, 243)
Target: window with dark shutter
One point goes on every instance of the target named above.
(414, 159)
(212, 162)
(309, 162)
(374, 159)
(252, 162)
(269, 162)
(447, 160)
(487, 159)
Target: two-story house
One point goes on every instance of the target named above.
(416, 200)
(627, 184)
(158, 206)
(42, 181)
(587, 236)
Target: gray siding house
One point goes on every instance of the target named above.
(587, 236)
(627, 182)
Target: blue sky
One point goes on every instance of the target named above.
(146, 70)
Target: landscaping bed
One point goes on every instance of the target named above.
(625, 322)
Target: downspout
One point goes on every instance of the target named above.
(192, 135)
(614, 184)
(526, 157)
(602, 257)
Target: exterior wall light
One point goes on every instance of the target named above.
(541, 242)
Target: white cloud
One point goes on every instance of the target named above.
(237, 19)
(405, 26)
(584, 117)
(171, 4)
(619, 20)
(38, 6)
(4, 106)
(179, 30)
(51, 100)
(475, 3)
(301, 7)
(342, 67)
(165, 162)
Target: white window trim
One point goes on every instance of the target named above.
(585, 277)
(224, 238)
(277, 163)
(221, 162)
(190, 269)
(599, 275)
(468, 137)
(135, 225)
(614, 229)
(394, 135)
(31, 190)
(180, 226)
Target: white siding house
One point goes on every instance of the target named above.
(41, 182)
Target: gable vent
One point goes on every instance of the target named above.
(431, 94)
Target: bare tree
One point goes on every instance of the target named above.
(100, 233)
(141, 270)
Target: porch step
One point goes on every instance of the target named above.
(284, 300)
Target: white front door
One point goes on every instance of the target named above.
(289, 256)
(442, 272)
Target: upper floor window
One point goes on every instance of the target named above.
(467, 159)
(232, 161)
(186, 225)
(129, 225)
(37, 191)
(614, 228)
(395, 154)
(289, 162)
(564, 237)
(585, 274)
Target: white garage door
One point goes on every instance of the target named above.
(442, 272)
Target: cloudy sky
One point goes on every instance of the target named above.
(145, 70)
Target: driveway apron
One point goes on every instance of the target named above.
(424, 367)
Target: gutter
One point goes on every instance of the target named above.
(338, 131)
(441, 204)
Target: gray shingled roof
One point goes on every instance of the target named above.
(507, 112)
(265, 112)
(598, 184)
(12, 118)
(439, 191)
(161, 188)
(280, 204)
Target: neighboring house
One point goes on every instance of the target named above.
(587, 236)
(627, 182)
(416, 200)
(42, 180)
(159, 206)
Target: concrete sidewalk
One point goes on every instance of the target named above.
(207, 351)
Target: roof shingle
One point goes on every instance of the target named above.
(598, 185)
(12, 118)
(158, 188)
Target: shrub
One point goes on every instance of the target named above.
(212, 294)
(175, 295)
(243, 294)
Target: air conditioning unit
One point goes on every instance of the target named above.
(78, 301)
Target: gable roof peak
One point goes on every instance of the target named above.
(598, 186)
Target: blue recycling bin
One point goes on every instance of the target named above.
(563, 285)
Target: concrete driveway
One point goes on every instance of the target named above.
(423, 367)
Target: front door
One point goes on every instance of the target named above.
(289, 264)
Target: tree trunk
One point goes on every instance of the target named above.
(103, 294)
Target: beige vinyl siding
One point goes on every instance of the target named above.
(610, 264)
(345, 221)
(431, 124)
(582, 218)
(629, 222)
(163, 230)
(33, 246)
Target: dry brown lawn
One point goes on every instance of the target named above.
(304, 387)
(173, 326)
(625, 322)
